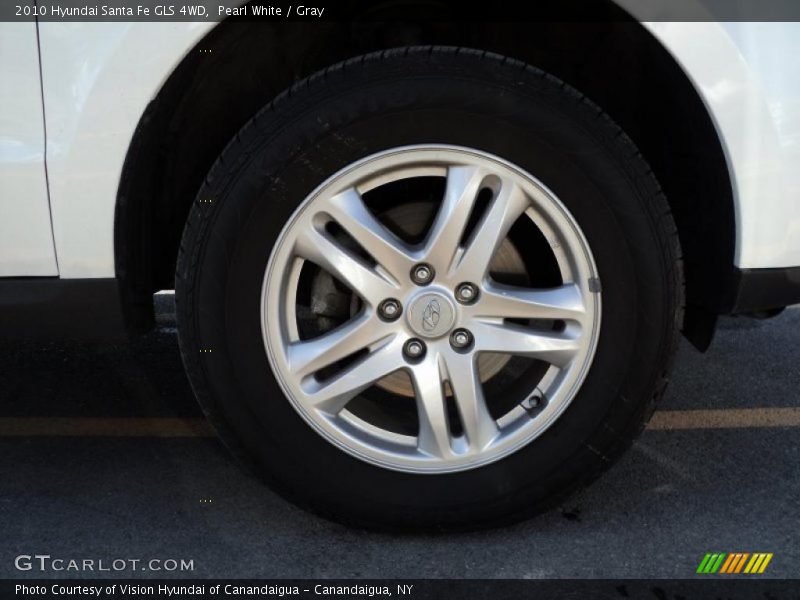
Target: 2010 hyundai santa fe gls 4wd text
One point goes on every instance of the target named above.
(417, 285)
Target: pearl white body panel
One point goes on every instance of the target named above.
(748, 75)
(99, 77)
(26, 242)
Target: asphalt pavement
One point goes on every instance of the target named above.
(712, 475)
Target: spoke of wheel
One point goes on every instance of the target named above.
(308, 357)
(479, 426)
(556, 348)
(348, 209)
(490, 232)
(434, 428)
(332, 395)
(461, 192)
(319, 248)
(564, 302)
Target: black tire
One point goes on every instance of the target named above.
(411, 96)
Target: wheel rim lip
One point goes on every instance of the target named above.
(339, 430)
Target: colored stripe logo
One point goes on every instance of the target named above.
(735, 562)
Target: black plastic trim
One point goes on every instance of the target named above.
(48, 308)
(764, 289)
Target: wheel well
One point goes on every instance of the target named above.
(616, 63)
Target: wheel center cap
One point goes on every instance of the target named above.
(431, 315)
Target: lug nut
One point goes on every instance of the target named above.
(466, 293)
(390, 309)
(422, 274)
(460, 338)
(414, 348)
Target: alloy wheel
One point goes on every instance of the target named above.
(428, 310)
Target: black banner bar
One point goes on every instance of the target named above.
(389, 10)
(730, 588)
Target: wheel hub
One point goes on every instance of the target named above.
(431, 314)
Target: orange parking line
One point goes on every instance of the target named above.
(729, 418)
(166, 427)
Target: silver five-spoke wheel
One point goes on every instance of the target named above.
(426, 319)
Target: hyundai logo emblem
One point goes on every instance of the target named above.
(430, 316)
